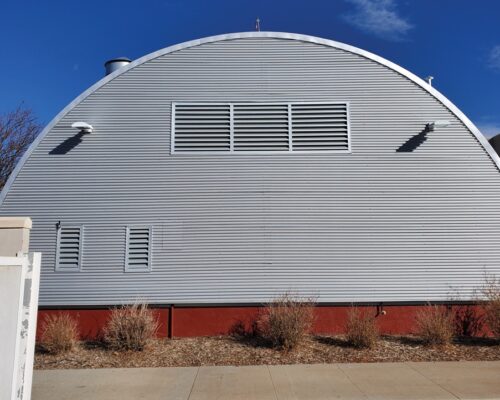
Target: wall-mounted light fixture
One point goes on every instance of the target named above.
(440, 123)
(380, 309)
(82, 127)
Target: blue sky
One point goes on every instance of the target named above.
(51, 51)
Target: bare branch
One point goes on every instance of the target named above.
(18, 129)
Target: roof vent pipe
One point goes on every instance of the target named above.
(116, 63)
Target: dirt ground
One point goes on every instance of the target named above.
(227, 350)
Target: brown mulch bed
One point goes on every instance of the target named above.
(224, 350)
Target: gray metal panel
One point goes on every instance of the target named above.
(374, 225)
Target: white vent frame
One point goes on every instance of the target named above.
(58, 267)
(290, 150)
(129, 269)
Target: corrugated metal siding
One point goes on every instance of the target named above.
(374, 225)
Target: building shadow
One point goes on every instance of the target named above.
(68, 145)
(414, 142)
(333, 341)
(248, 335)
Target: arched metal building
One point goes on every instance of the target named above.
(223, 171)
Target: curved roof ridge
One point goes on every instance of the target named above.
(242, 35)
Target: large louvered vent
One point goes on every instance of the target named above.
(320, 127)
(69, 247)
(260, 127)
(138, 249)
(202, 127)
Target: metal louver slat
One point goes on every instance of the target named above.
(201, 127)
(261, 127)
(320, 127)
(69, 246)
(138, 249)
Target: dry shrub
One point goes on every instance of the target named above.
(361, 329)
(435, 325)
(468, 321)
(131, 327)
(287, 320)
(492, 305)
(59, 333)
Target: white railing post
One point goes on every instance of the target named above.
(19, 283)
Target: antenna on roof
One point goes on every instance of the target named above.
(429, 79)
(257, 24)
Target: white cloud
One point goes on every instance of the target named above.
(494, 58)
(379, 17)
(489, 129)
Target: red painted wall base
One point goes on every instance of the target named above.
(211, 321)
(90, 322)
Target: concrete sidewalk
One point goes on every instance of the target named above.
(443, 380)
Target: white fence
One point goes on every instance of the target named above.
(19, 282)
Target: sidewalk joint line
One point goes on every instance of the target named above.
(410, 364)
(272, 382)
(194, 381)
(352, 382)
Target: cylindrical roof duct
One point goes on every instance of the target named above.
(115, 63)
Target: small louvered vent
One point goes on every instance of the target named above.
(261, 127)
(202, 127)
(69, 244)
(138, 249)
(320, 127)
